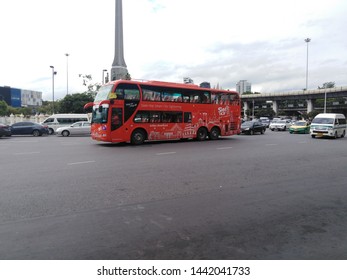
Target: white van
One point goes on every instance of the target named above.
(59, 120)
(331, 125)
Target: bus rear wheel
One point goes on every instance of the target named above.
(214, 133)
(202, 134)
(138, 137)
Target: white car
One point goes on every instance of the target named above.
(77, 128)
(280, 125)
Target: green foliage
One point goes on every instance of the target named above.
(268, 112)
(310, 115)
(3, 108)
(327, 85)
(74, 103)
(6, 110)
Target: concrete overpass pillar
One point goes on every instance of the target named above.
(275, 106)
(309, 105)
(245, 108)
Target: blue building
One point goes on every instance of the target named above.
(20, 97)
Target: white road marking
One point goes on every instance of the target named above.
(271, 144)
(26, 153)
(224, 148)
(167, 153)
(81, 162)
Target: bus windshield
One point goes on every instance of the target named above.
(103, 93)
(99, 116)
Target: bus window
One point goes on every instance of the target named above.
(224, 99)
(167, 96)
(186, 98)
(116, 118)
(177, 97)
(150, 95)
(141, 117)
(187, 117)
(195, 97)
(154, 117)
(172, 117)
(206, 97)
(128, 92)
(100, 116)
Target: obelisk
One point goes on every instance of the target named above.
(119, 68)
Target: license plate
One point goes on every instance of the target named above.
(320, 134)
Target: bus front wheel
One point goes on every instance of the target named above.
(202, 134)
(138, 137)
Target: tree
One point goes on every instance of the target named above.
(74, 103)
(327, 85)
(3, 108)
(92, 88)
(268, 112)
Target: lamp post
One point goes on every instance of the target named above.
(307, 40)
(325, 98)
(67, 73)
(53, 73)
(103, 76)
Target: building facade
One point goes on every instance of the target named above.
(20, 97)
(243, 86)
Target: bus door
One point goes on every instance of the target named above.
(116, 118)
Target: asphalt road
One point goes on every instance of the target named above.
(271, 196)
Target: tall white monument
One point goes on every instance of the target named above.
(119, 68)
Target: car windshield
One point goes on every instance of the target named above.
(248, 123)
(300, 123)
(323, 120)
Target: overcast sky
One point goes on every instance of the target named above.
(219, 41)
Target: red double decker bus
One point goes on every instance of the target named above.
(137, 111)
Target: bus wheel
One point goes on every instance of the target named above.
(202, 134)
(138, 137)
(214, 133)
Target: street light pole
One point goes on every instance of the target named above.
(53, 73)
(103, 76)
(325, 98)
(67, 73)
(307, 40)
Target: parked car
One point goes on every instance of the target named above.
(5, 130)
(77, 128)
(251, 127)
(29, 128)
(280, 125)
(300, 127)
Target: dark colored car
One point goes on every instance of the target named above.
(28, 128)
(251, 127)
(5, 130)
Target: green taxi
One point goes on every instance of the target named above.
(300, 127)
